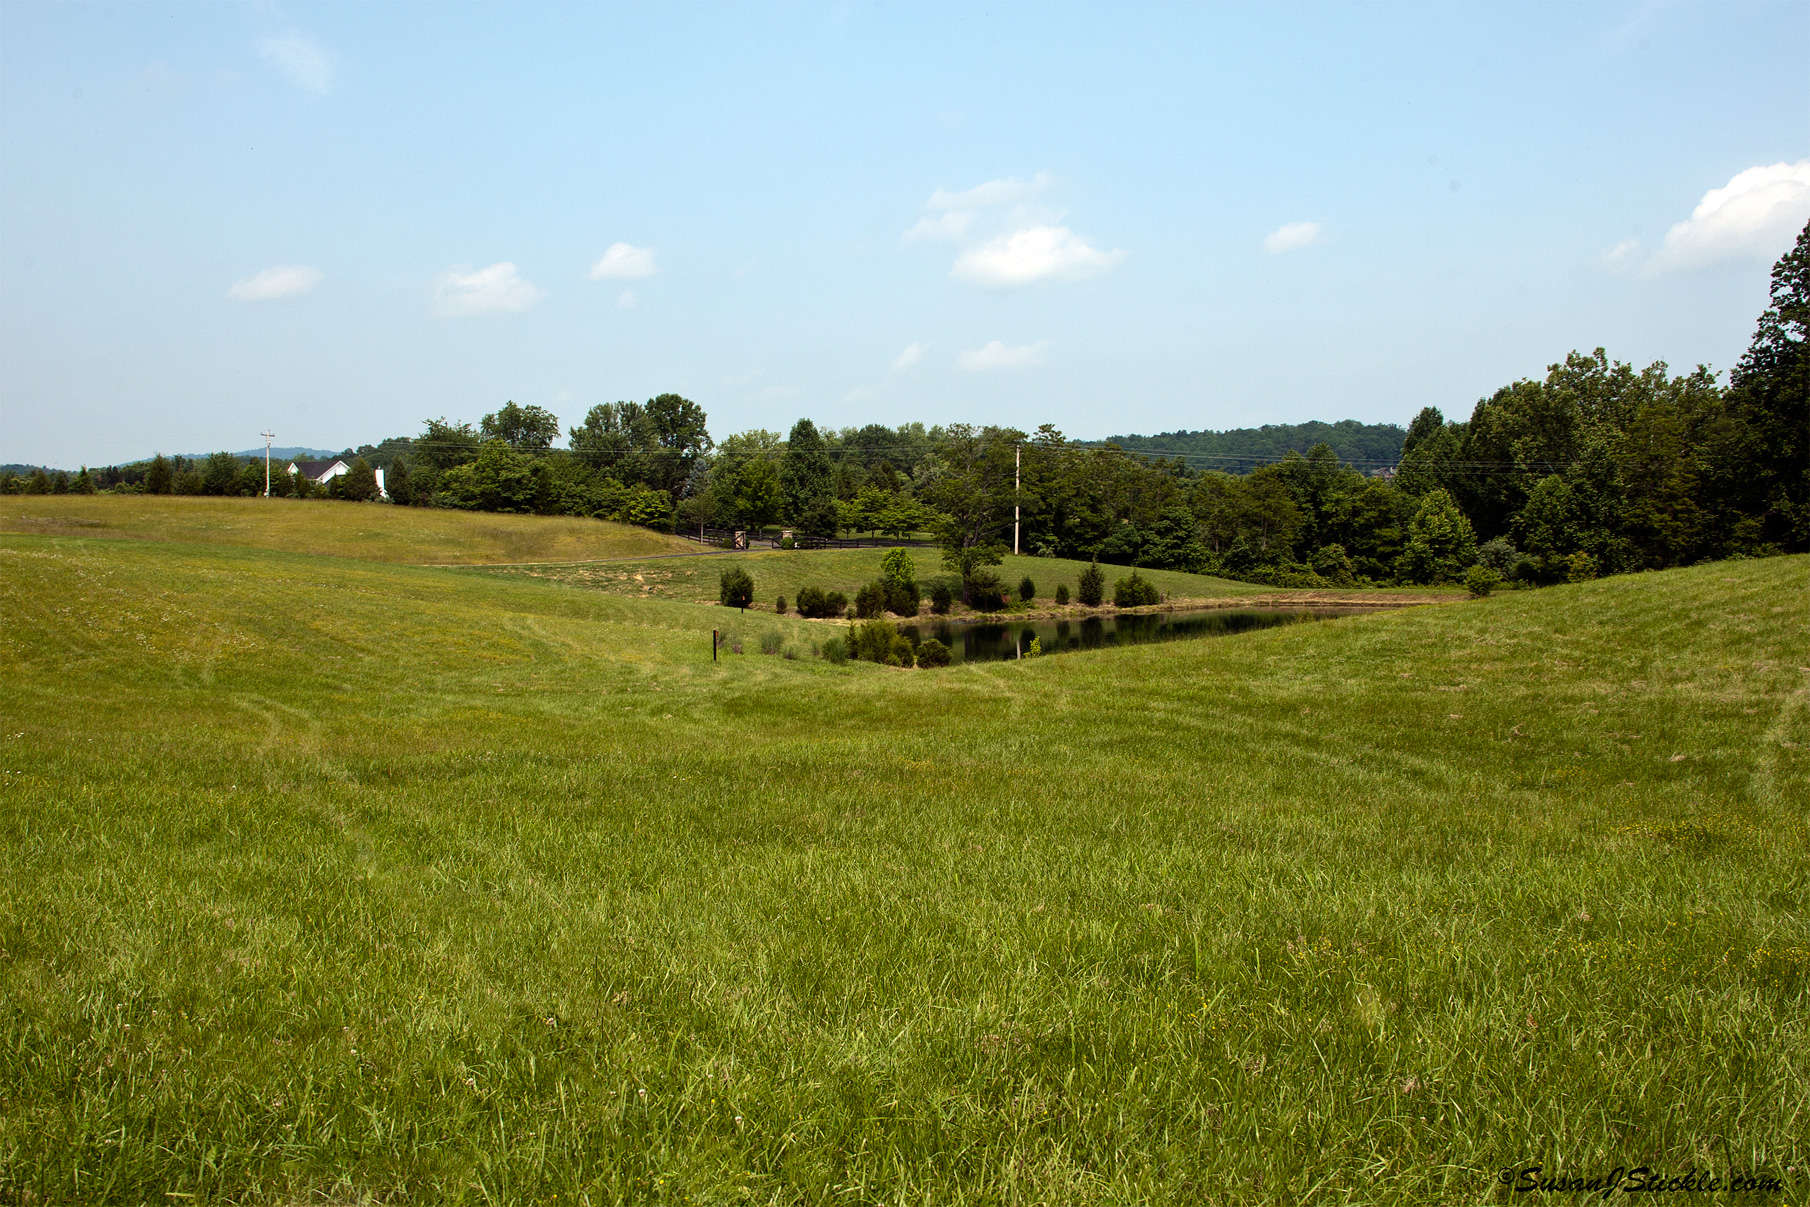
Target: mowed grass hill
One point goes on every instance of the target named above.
(370, 531)
(327, 880)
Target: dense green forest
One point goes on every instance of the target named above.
(1364, 445)
(1597, 468)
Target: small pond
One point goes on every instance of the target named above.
(989, 640)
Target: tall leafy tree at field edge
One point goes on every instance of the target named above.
(808, 482)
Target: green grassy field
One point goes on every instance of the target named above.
(331, 881)
(370, 531)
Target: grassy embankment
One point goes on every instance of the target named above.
(369, 531)
(332, 879)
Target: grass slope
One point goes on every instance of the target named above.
(332, 880)
(368, 531)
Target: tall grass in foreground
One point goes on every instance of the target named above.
(324, 881)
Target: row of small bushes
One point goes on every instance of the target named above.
(901, 595)
(875, 641)
(879, 640)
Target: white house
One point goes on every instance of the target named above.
(323, 472)
(320, 472)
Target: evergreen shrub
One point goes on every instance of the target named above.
(1092, 587)
(870, 600)
(1480, 580)
(983, 590)
(737, 588)
(1134, 592)
(933, 653)
(901, 596)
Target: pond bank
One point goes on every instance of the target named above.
(1020, 636)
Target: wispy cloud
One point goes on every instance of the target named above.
(284, 281)
(1293, 236)
(1037, 253)
(996, 355)
(1756, 215)
(1623, 256)
(952, 225)
(951, 212)
(1010, 191)
(625, 262)
(492, 290)
(912, 354)
(299, 58)
(626, 300)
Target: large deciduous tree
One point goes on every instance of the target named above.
(443, 445)
(1767, 449)
(158, 477)
(1440, 542)
(805, 474)
(974, 494)
(527, 429)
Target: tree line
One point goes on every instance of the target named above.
(1597, 468)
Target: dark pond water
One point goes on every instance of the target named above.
(989, 640)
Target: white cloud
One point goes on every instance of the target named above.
(1033, 254)
(625, 262)
(1623, 255)
(858, 394)
(284, 281)
(486, 291)
(954, 210)
(1293, 236)
(995, 355)
(299, 59)
(626, 300)
(912, 354)
(1756, 215)
(1010, 191)
(952, 225)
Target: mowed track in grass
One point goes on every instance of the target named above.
(331, 880)
(369, 531)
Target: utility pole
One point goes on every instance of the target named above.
(268, 437)
(1017, 453)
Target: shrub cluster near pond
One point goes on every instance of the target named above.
(880, 641)
(817, 604)
(1134, 592)
(932, 652)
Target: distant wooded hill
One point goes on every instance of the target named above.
(1364, 445)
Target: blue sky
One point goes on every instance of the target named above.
(337, 220)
